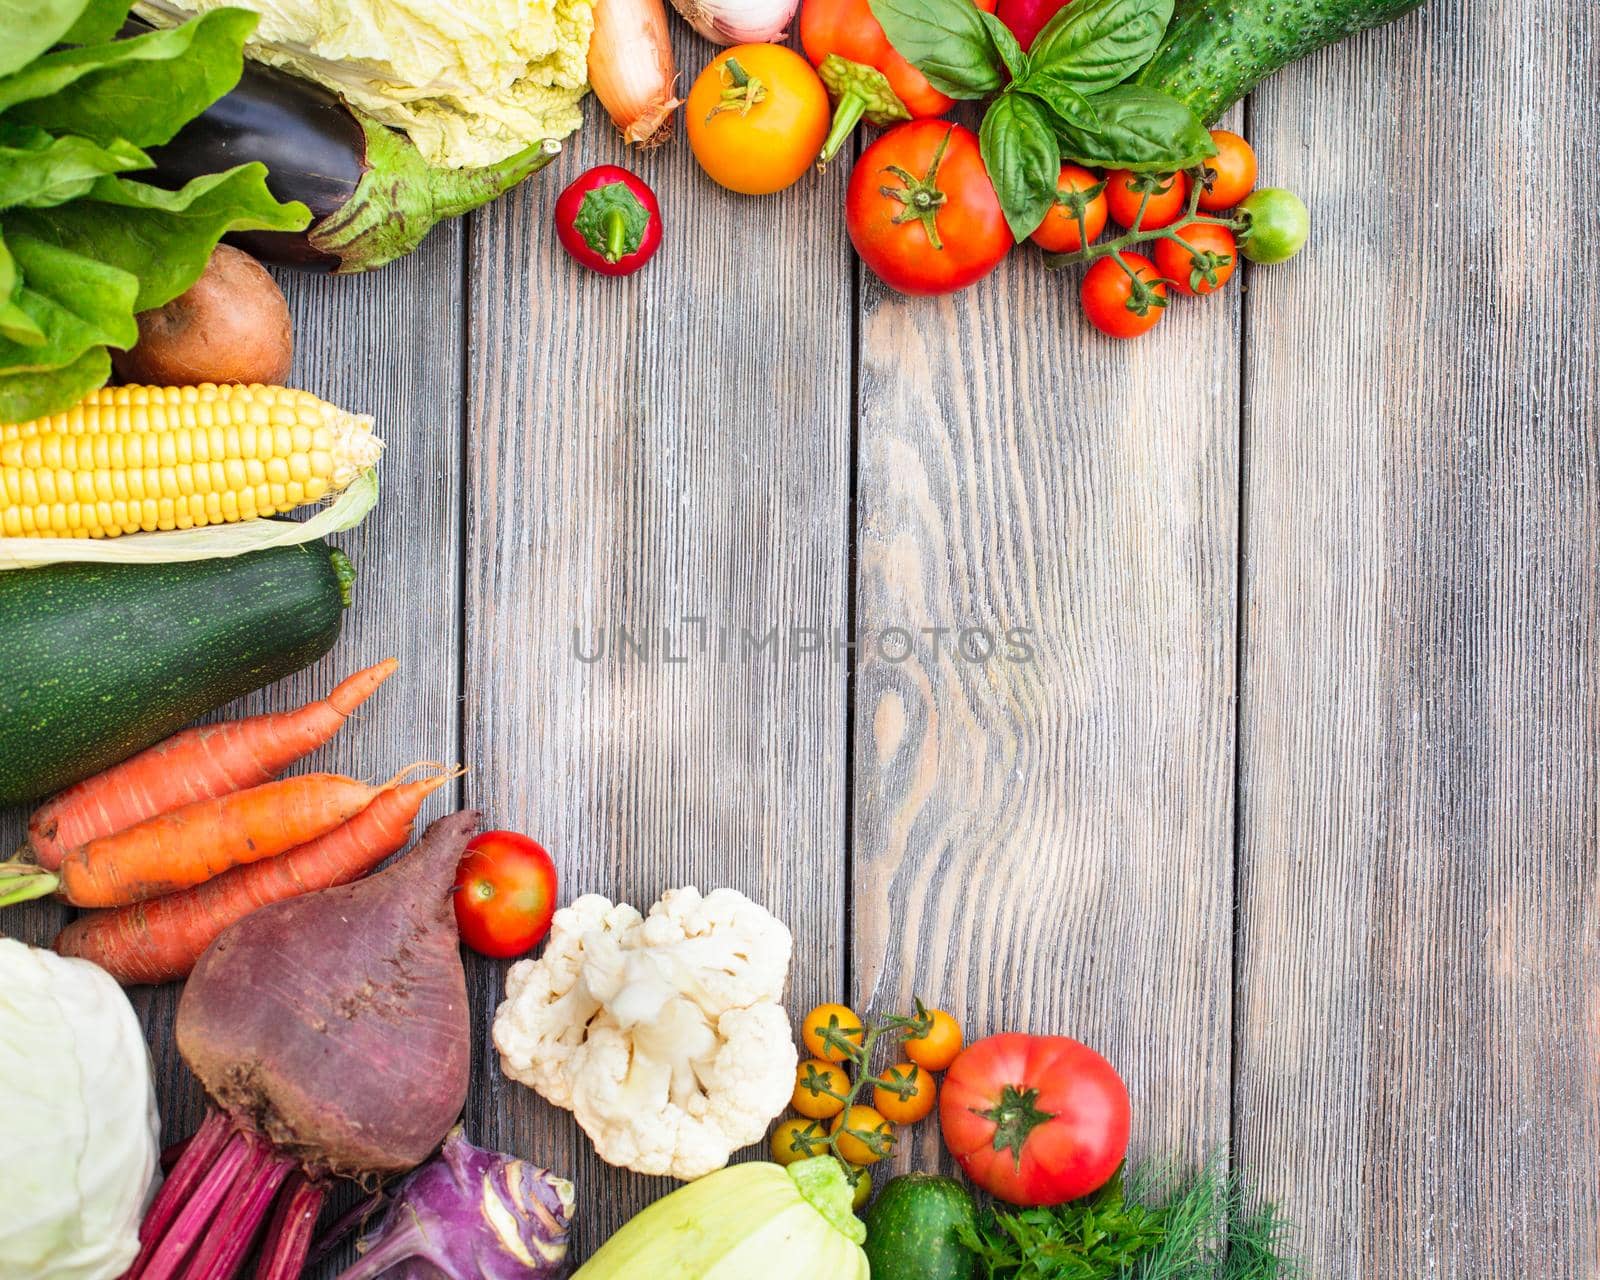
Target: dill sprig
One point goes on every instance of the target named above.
(1150, 1225)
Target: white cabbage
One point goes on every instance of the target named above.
(79, 1147)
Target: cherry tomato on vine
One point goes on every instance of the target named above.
(820, 1087)
(505, 894)
(1126, 191)
(797, 1139)
(757, 116)
(1123, 299)
(827, 1028)
(1278, 225)
(862, 1191)
(860, 1120)
(1035, 1120)
(938, 1049)
(1230, 173)
(1059, 232)
(912, 1106)
(1203, 262)
(922, 212)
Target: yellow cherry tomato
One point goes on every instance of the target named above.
(820, 1087)
(938, 1049)
(827, 1030)
(910, 1107)
(797, 1139)
(861, 1192)
(862, 1120)
(757, 117)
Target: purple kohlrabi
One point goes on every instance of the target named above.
(471, 1214)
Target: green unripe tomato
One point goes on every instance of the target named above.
(1278, 225)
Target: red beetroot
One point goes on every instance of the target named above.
(331, 1033)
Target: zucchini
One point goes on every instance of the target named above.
(99, 661)
(1216, 51)
(912, 1230)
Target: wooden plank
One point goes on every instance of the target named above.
(401, 363)
(1417, 1031)
(1045, 845)
(641, 451)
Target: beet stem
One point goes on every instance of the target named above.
(354, 1217)
(234, 1230)
(198, 1155)
(283, 1256)
(202, 1207)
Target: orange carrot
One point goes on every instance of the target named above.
(197, 764)
(191, 845)
(160, 940)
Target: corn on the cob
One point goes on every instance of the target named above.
(136, 459)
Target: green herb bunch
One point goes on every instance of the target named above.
(1204, 1227)
(1064, 99)
(83, 248)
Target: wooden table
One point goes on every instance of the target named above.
(1293, 811)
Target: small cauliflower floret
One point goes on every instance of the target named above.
(663, 1035)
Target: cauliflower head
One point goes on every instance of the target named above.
(663, 1034)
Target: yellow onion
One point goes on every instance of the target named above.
(631, 69)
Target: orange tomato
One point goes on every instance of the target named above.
(938, 1049)
(849, 1125)
(820, 1087)
(797, 1139)
(1058, 233)
(911, 1107)
(826, 1026)
(757, 117)
(1230, 174)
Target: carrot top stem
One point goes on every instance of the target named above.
(23, 882)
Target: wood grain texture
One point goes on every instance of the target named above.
(386, 344)
(1045, 845)
(1419, 1011)
(667, 446)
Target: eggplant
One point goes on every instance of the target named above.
(371, 194)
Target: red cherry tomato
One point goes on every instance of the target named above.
(1203, 262)
(1230, 174)
(505, 894)
(1126, 191)
(1120, 304)
(609, 221)
(1035, 1120)
(1058, 233)
(922, 212)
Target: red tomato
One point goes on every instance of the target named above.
(921, 210)
(1203, 262)
(505, 894)
(1035, 1120)
(1230, 173)
(1125, 191)
(1058, 233)
(1120, 304)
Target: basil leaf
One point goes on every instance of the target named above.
(1095, 44)
(1062, 100)
(1017, 62)
(946, 40)
(1140, 129)
(1020, 154)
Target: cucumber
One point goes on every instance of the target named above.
(1216, 51)
(911, 1230)
(100, 661)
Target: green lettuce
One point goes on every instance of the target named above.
(82, 246)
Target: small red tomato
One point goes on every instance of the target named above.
(609, 221)
(1123, 299)
(1202, 262)
(1127, 191)
(1230, 174)
(1059, 232)
(1035, 1119)
(505, 894)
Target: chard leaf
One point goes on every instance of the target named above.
(40, 171)
(29, 27)
(142, 90)
(164, 238)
